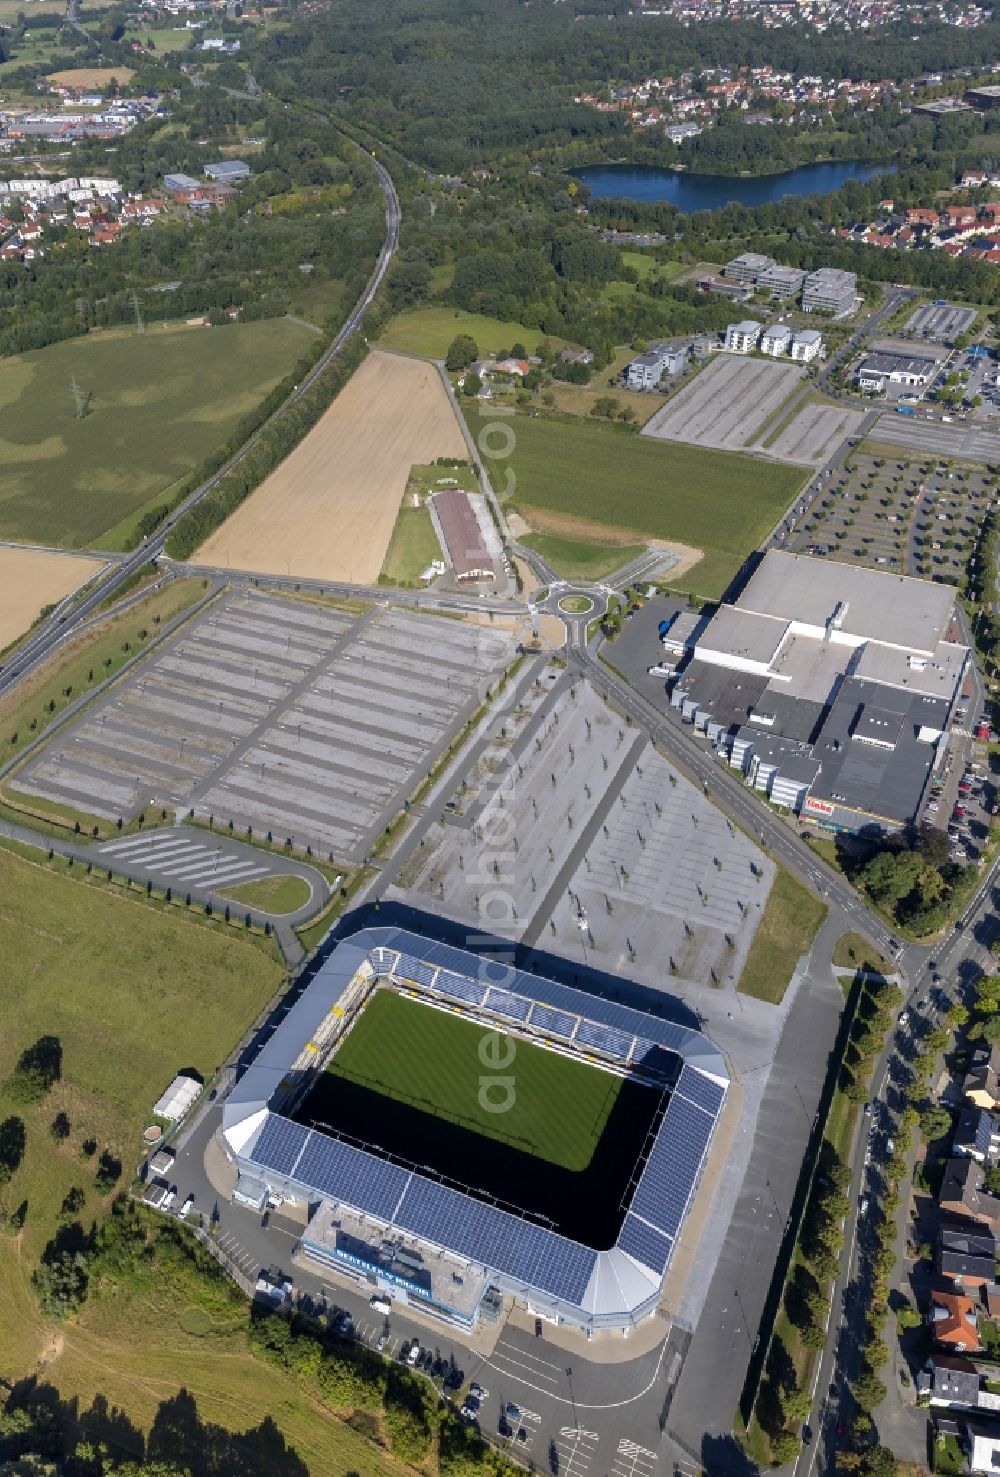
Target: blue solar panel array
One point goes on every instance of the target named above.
(280, 1144)
(604, 1038)
(515, 1007)
(345, 1173)
(502, 1242)
(698, 1088)
(673, 1166)
(556, 1021)
(413, 969)
(650, 1247)
(460, 987)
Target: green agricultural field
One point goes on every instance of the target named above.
(579, 561)
(158, 404)
(574, 477)
(429, 1059)
(428, 332)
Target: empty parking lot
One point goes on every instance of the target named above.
(280, 715)
(580, 839)
(728, 404)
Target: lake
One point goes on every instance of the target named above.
(690, 192)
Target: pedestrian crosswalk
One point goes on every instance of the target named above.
(181, 860)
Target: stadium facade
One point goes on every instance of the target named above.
(433, 1243)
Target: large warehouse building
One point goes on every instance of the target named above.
(392, 1226)
(830, 686)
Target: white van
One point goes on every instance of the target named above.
(381, 1304)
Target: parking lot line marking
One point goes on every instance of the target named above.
(508, 1359)
(532, 1358)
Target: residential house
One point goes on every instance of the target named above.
(968, 1255)
(647, 370)
(953, 1321)
(982, 1445)
(982, 1080)
(741, 338)
(776, 340)
(977, 1135)
(961, 1193)
(577, 356)
(517, 367)
(948, 1380)
(806, 345)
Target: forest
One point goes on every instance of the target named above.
(454, 85)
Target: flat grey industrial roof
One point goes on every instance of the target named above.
(792, 757)
(892, 608)
(744, 633)
(897, 364)
(729, 696)
(881, 782)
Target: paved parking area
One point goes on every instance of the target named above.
(589, 844)
(728, 404)
(939, 323)
(814, 433)
(920, 517)
(966, 439)
(285, 717)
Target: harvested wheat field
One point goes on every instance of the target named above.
(91, 77)
(33, 578)
(329, 510)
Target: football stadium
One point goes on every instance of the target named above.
(454, 1131)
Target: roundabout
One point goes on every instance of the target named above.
(576, 605)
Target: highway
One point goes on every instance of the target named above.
(43, 642)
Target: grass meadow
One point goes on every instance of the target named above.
(429, 1059)
(134, 995)
(571, 477)
(159, 402)
(792, 918)
(575, 560)
(428, 332)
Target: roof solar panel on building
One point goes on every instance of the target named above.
(279, 1144)
(409, 968)
(672, 1169)
(698, 1088)
(604, 1038)
(556, 1021)
(515, 1007)
(460, 987)
(500, 1241)
(346, 1173)
(650, 1247)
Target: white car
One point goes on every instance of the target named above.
(414, 1353)
(185, 1209)
(169, 1198)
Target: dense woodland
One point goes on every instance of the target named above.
(455, 84)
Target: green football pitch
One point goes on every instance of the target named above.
(433, 1060)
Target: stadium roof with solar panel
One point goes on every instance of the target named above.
(443, 1231)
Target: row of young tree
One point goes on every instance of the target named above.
(784, 1403)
